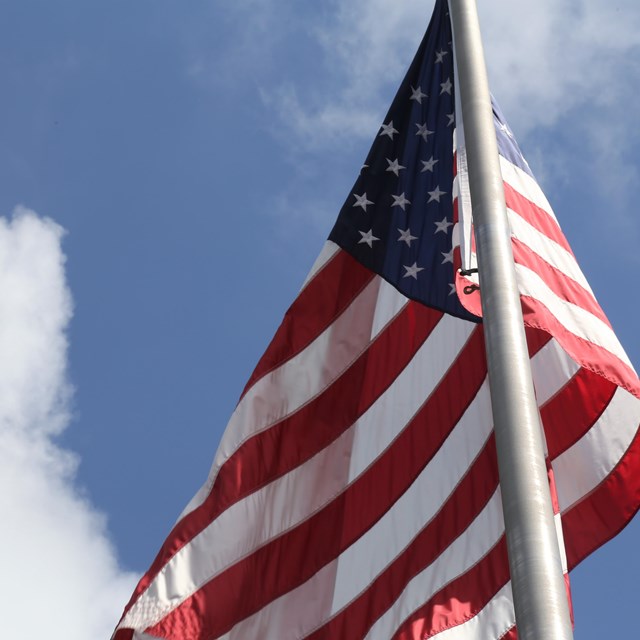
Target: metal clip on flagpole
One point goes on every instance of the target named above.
(472, 288)
(540, 598)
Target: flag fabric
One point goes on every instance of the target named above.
(355, 491)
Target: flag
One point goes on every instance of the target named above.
(355, 491)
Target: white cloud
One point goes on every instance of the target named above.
(571, 74)
(570, 54)
(61, 578)
(326, 75)
(366, 46)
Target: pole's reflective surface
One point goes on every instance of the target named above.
(541, 606)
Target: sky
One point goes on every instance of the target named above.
(169, 172)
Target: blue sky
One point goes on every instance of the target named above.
(185, 162)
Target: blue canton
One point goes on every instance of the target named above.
(507, 145)
(398, 219)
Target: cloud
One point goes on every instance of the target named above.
(571, 54)
(61, 578)
(565, 83)
(365, 47)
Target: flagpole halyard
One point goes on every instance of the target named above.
(540, 598)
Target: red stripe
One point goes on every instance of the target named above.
(457, 513)
(552, 486)
(461, 599)
(535, 216)
(562, 285)
(575, 409)
(584, 352)
(123, 634)
(271, 453)
(317, 306)
(512, 634)
(606, 510)
(290, 560)
(536, 339)
(567, 588)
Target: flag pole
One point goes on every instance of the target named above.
(539, 593)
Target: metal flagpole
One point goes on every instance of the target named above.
(541, 606)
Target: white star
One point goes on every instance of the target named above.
(440, 56)
(505, 129)
(405, 236)
(428, 164)
(388, 130)
(446, 87)
(367, 238)
(423, 131)
(452, 119)
(452, 288)
(417, 95)
(412, 271)
(443, 225)
(448, 257)
(433, 195)
(400, 201)
(394, 167)
(361, 201)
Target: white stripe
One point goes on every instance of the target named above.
(574, 319)
(526, 186)
(582, 467)
(492, 622)
(549, 250)
(551, 368)
(455, 235)
(291, 499)
(390, 303)
(328, 251)
(466, 551)
(557, 520)
(455, 189)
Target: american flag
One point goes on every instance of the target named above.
(355, 491)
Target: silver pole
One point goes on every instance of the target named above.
(540, 599)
